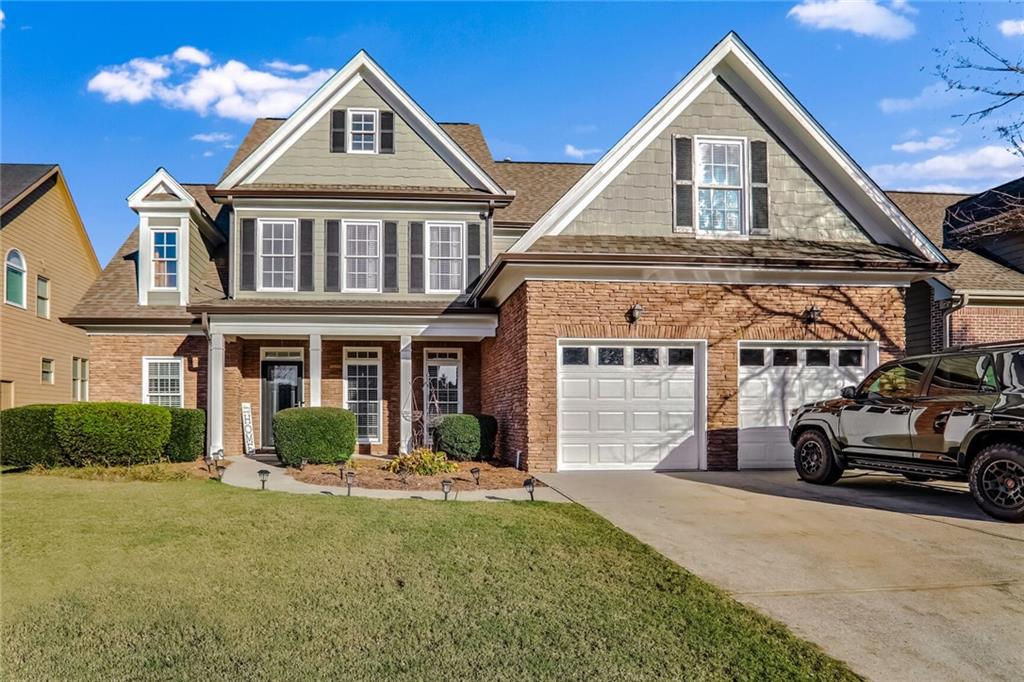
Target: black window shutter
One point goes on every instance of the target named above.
(390, 256)
(387, 132)
(684, 183)
(338, 130)
(759, 187)
(416, 257)
(332, 255)
(472, 254)
(248, 282)
(306, 254)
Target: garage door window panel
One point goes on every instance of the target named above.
(611, 356)
(680, 357)
(818, 357)
(851, 357)
(575, 356)
(646, 357)
(784, 357)
(752, 357)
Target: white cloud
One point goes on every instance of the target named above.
(574, 152)
(1011, 27)
(2, 18)
(208, 153)
(211, 137)
(191, 55)
(584, 128)
(935, 143)
(278, 65)
(932, 96)
(862, 17)
(230, 90)
(986, 165)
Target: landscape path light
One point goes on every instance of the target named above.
(220, 472)
(529, 485)
(264, 475)
(350, 479)
(446, 487)
(476, 474)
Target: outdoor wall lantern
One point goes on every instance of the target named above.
(476, 474)
(529, 485)
(350, 480)
(634, 313)
(812, 314)
(446, 487)
(220, 472)
(264, 475)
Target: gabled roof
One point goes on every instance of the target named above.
(18, 179)
(359, 68)
(537, 185)
(732, 61)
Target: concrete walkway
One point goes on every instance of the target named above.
(243, 474)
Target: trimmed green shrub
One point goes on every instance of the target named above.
(466, 436)
(188, 435)
(422, 462)
(319, 435)
(27, 437)
(112, 434)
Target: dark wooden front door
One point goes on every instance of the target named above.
(282, 388)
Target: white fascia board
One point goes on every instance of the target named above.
(137, 199)
(375, 206)
(362, 326)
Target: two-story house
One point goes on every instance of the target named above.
(664, 308)
(49, 263)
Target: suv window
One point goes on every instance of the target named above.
(959, 374)
(900, 380)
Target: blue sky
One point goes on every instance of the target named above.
(111, 91)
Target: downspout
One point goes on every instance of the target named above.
(947, 319)
(205, 321)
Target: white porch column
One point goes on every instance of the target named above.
(405, 381)
(215, 393)
(314, 370)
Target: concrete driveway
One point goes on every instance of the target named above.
(903, 581)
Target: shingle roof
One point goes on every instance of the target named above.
(537, 185)
(471, 139)
(261, 129)
(15, 178)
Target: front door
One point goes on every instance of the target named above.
(878, 421)
(282, 388)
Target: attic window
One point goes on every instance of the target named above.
(720, 185)
(362, 127)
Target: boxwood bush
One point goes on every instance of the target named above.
(320, 435)
(112, 434)
(188, 435)
(28, 438)
(466, 436)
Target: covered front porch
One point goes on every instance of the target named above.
(391, 371)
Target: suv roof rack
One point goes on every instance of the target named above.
(990, 344)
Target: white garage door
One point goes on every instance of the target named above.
(776, 378)
(632, 405)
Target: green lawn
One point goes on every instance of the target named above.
(197, 580)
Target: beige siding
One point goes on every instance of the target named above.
(504, 238)
(640, 200)
(198, 255)
(45, 228)
(310, 160)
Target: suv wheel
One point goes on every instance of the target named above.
(997, 481)
(813, 459)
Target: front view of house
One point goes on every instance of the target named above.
(664, 308)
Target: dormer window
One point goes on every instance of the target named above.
(165, 259)
(720, 185)
(362, 131)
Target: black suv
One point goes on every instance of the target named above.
(953, 415)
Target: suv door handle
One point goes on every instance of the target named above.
(900, 409)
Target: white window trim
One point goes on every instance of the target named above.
(294, 353)
(147, 359)
(80, 390)
(24, 273)
(344, 255)
(153, 259)
(426, 255)
(48, 299)
(259, 253)
(349, 131)
(380, 386)
(457, 362)
(53, 371)
(745, 206)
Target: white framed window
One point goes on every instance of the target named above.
(79, 379)
(362, 391)
(442, 386)
(720, 184)
(46, 371)
(446, 257)
(42, 297)
(163, 380)
(363, 131)
(165, 259)
(15, 276)
(362, 255)
(277, 254)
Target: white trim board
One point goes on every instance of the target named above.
(740, 68)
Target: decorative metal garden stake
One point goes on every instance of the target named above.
(529, 484)
(350, 479)
(220, 472)
(264, 475)
(476, 474)
(446, 487)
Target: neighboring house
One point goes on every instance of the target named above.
(663, 308)
(982, 301)
(48, 264)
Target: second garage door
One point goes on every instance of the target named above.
(634, 405)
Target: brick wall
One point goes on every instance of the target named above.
(520, 377)
(985, 324)
(115, 365)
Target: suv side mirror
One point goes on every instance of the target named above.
(849, 392)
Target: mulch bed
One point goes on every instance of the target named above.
(494, 475)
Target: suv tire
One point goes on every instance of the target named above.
(813, 459)
(997, 481)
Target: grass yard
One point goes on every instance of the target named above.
(197, 580)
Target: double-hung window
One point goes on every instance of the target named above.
(277, 255)
(165, 259)
(445, 257)
(14, 278)
(162, 380)
(362, 127)
(43, 297)
(442, 390)
(363, 390)
(720, 185)
(46, 371)
(79, 379)
(362, 256)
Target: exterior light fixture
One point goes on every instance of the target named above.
(218, 456)
(220, 472)
(341, 472)
(208, 458)
(264, 475)
(529, 485)
(634, 313)
(302, 463)
(350, 479)
(812, 314)
(476, 474)
(446, 487)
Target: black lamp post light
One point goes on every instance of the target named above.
(220, 472)
(302, 464)
(529, 485)
(476, 474)
(446, 487)
(264, 475)
(350, 480)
